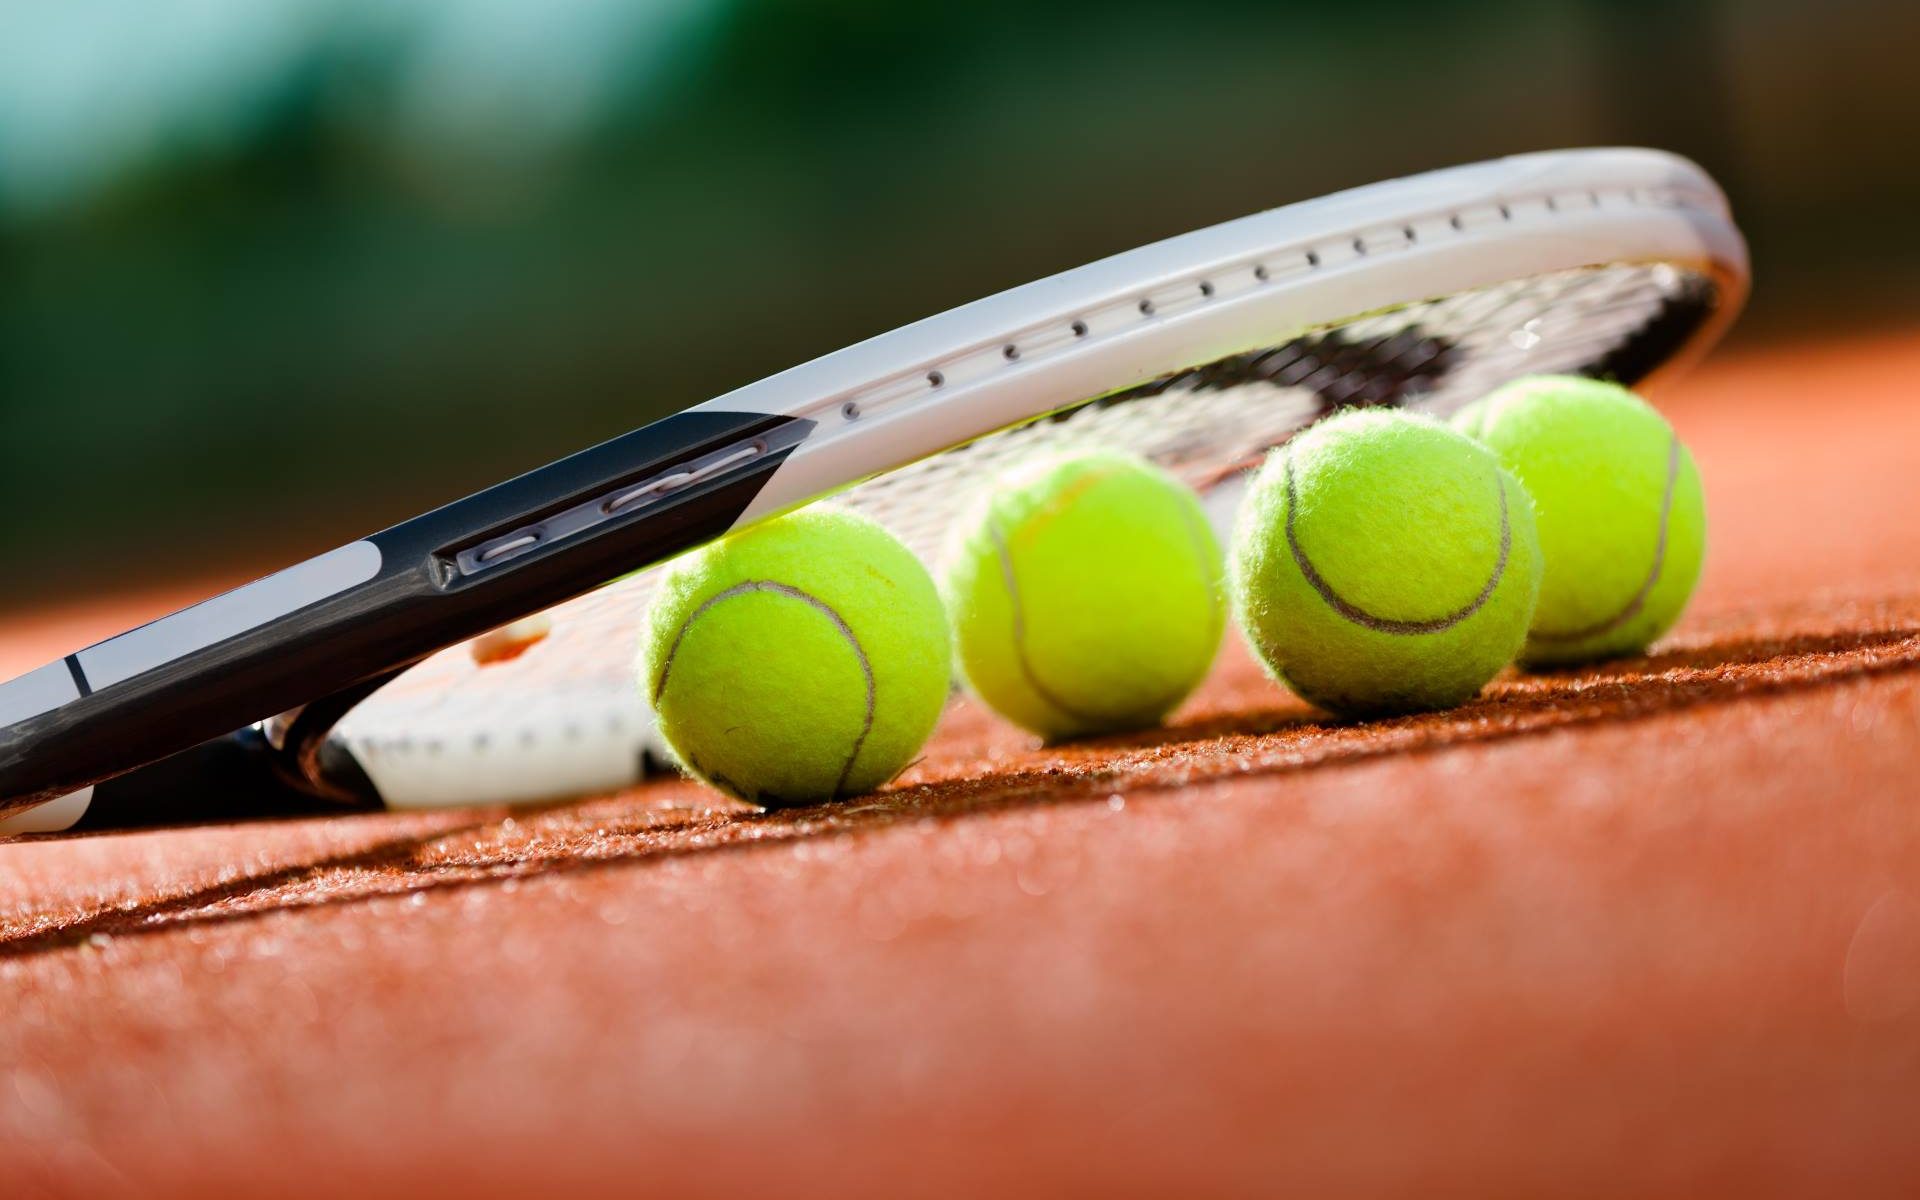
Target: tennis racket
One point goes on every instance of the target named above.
(353, 679)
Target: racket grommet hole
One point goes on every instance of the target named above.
(1206, 289)
(1260, 273)
(850, 410)
(1079, 329)
(1146, 308)
(1506, 214)
(935, 378)
(1456, 222)
(1011, 351)
(522, 542)
(1360, 246)
(1313, 258)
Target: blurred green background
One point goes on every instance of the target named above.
(274, 273)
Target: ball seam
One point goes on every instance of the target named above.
(1018, 612)
(1360, 616)
(788, 590)
(1640, 597)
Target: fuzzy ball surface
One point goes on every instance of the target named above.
(1087, 594)
(1384, 563)
(1622, 515)
(802, 660)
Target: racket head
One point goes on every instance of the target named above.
(1201, 353)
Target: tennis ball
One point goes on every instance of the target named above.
(1384, 563)
(801, 660)
(1622, 519)
(1086, 594)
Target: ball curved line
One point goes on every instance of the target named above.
(788, 590)
(1027, 671)
(1639, 599)
(1360, 616)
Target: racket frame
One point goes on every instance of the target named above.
(343, 623)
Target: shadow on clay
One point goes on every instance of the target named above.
(1249, 744)
(1673, 678)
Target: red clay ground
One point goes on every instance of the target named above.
(1651, 929)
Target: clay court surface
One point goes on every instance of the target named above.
(1646, 929)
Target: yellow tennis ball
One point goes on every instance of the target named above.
(802, 660)
(1384, 563)
(1622, 518)
(1086, 593)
